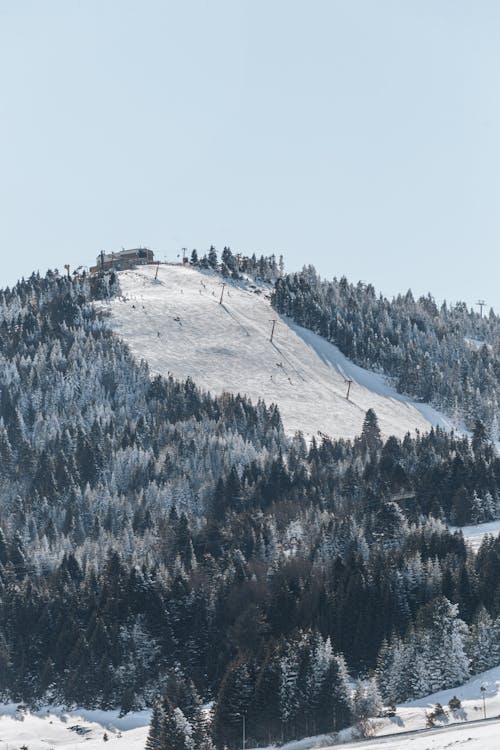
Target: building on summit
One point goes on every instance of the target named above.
(123, 259)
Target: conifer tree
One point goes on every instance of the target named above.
(233, 703)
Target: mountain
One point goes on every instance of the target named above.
(168, 545)
(176, 323)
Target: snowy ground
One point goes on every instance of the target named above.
(475, 534)
(85, 730)
(57, 729)
(463, 728)
(178, 326)
(412, 715)
(476, 737)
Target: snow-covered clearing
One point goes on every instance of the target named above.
(474, 535)
(476, 344)
(68, 730)
(178, 326)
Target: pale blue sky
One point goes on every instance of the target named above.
(362, 136)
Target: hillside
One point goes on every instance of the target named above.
(67, 730)
(156, 540)
(454, 728)
(178, 326)
(446, 355)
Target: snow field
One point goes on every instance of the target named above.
(474, 535)
(476, 737)
(178, 326)
(61, 730)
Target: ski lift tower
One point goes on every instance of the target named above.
(481, 303)
(348, 383)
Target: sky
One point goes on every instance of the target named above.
(361, 136)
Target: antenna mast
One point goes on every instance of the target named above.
(481, 303)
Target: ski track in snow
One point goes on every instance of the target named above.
(178, 326)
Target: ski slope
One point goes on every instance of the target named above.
(178, 326)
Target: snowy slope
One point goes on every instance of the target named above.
(60, 730)
(469, 737)
(411, 716)
(177, 324)
(474, 535)
(55, 728)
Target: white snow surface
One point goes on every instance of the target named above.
(471, 737)
(477, 344)
(474, 535)
(455, 730)
(58, 729)
(55, 727)
(178, 326)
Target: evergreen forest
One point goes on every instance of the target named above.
(160, 546)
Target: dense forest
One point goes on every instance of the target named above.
(161, 546)
(446, 355)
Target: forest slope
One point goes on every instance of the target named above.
(156, 540)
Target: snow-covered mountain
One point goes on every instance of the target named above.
(179, 325)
